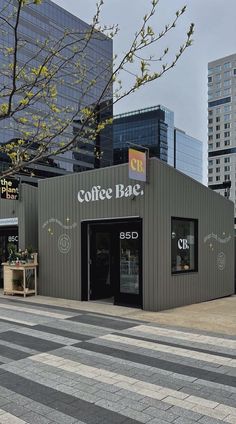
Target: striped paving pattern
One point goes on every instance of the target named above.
(65, 366)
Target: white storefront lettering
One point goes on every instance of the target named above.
(183, 244)
(98, 193)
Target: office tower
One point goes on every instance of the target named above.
(221, 125)
(144, 127)
(154, 129)
(48, 20)
(188, 155)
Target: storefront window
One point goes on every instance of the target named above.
(184, 246)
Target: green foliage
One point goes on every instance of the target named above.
(52, 63)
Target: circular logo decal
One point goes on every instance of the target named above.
(64, 243)
(221, 261)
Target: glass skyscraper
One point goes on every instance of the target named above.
(153, 128)
(188, 155)
(48, 20)
(145, 127)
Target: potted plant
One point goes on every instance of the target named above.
(12, 255)
(30, 255)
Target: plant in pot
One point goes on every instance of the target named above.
(30, 256)
(12, 252)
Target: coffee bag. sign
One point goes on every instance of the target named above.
(9, 189)
(120, 191)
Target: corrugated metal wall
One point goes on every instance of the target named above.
(182, 197)
(169, 193)
(30, 204)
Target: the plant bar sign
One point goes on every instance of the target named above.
(9, 189)
(120, 191)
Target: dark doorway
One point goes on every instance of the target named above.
(114, 255)
(7, 235)
(101, 256)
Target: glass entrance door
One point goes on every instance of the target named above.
(129, 264)
(116, 262)
(100, 263)
(7, 235)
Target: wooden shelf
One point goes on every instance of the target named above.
(19, 292)
(22, 273)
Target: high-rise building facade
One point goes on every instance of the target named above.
(221, 126)
(145, 127)
(153, 128)
(188, 155)
(49, 21)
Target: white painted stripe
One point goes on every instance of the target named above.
(170, 396)
(190, 337)
(212, 358)
(36, 311)
(18, 321)
(7, 418)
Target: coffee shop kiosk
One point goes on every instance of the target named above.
(153, 242)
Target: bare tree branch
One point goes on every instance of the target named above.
(30, 95)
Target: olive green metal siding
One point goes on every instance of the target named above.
(179, 196)
(25, 209)
(60, 273)
(168, 193)
(30, 202)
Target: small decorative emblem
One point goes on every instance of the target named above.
(64, 243)
(221, 261)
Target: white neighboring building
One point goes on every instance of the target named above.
(222, 126)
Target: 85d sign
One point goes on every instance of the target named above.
(129, 235)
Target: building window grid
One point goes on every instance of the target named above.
(227, 65)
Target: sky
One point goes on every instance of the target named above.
(184, 88)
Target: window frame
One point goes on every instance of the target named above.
(196, 246)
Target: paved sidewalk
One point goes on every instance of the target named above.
(68, 365)
(216, 316)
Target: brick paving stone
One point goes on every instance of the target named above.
(60, 418)
(14, 409)
(158, 413)
(209, 420)
(10, 419)
(184, 413)
(158, 421)
(33, 418)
